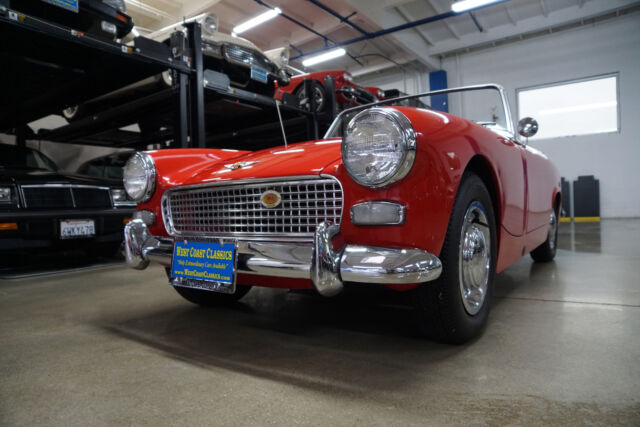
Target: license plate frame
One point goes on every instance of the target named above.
(260, 75)
(77, 228)
(72, 5)
(205, 265)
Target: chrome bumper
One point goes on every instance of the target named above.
(328, 269)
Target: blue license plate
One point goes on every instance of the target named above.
(71, 5)
(204, 262)
(259, 74)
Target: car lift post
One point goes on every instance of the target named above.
(180, 84)
(196, 86)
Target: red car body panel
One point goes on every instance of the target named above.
(340, 81)
(525, 183)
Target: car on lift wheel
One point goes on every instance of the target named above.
(319, 96)
(455, 307)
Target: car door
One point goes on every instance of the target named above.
(540, 183)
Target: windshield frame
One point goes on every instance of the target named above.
(503, 95)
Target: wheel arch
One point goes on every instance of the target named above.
(481, 166)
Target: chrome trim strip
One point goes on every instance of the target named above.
(371, 264)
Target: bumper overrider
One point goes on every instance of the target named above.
(326, 267)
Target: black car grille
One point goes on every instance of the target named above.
(249, 58)
(65, 197)
(235, 210)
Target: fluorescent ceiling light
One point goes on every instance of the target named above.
(254, 22)
(464, 5)
(335, 53)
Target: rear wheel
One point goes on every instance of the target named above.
(547, 250)
(455, 307)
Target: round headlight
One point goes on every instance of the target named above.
(378, 147)
(139, 177)
(210, 24)
(284, 56)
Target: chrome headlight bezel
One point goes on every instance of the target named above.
(209, 24)
(149, 171)
(407, 144)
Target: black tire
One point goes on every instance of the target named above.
(212, 299)
(547, 250)
(303, 100)
(439, 307)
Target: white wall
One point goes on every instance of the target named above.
(606, 47)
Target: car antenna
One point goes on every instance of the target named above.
(284, 136)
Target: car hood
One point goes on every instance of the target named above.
(307, 158)
(27, 176)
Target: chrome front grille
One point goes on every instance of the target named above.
(236, 210)
(248, 58)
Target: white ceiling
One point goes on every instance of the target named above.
(423, 46)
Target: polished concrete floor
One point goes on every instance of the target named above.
(118, 346)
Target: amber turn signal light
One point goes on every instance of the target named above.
(126, 220)
(8, 226)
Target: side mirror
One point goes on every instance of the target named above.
(527, 127)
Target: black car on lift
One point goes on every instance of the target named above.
(102, 18)
(42, 208)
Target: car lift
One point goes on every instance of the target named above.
(47, 67)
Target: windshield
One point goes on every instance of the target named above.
(12, 156)
(485, 105)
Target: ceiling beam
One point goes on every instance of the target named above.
(382, 16)
(557, 18)
(449, 26)
(150, 11)
(420, 31)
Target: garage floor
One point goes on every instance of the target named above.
(118, 346)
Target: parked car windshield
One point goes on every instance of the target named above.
(482, 105)
(12, 156)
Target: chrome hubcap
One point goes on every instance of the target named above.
(474, 258)
(553, 230)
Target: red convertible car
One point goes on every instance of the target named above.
(349, 94)
(408, 198)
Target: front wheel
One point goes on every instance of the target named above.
(455, 307)
(212, 299)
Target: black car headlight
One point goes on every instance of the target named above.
(6, 195)
(378, 147)
(139, 177)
